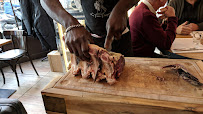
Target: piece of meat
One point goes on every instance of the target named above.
(102, 65)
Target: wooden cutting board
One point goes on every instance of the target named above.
(140, 79)
(138, 86)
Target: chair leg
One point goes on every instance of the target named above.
(17, 78)
(20, 68)
(13, 67)
(32, 64)
(3, 75)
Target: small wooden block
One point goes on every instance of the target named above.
(54, 58)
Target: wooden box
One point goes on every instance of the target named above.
(54, 58)
(138, 90)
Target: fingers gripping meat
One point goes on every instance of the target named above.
(102, 65)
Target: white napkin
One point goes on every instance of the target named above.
(185, 45)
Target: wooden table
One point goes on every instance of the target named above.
(4, 41)
(138, 90)
(183, 36)
(198, 55)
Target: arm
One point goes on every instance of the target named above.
(117, 21)
(154, 32)
(77, 38)
(184, 28)
(200, 25)
(55, 10)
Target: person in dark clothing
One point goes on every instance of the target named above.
(38, 23)
(104, 19)
(190, 15)
(146, 31)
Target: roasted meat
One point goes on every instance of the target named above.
(102, 65)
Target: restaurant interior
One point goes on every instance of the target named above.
(41, 72)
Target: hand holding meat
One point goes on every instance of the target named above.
(77, 40)
(102, 65)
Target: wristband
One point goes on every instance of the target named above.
(73, 26)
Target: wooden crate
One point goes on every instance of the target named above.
(137, 91)
(55, 62)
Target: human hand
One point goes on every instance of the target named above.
(166, 12)
(115, 25)
(77, 40)
(184, 29)
(193, 26)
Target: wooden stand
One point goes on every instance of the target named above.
(54, 58)
(138, 90)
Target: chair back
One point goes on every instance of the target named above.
(18, 38)
(1, 36)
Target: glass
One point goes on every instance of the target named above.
(197, 39)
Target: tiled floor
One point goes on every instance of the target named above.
(29, 92)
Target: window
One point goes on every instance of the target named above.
(7, 18)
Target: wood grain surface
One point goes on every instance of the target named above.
(183, 36)
(140, 80)
(4, 42)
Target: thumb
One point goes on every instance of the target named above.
(108, 41)
(185, 23)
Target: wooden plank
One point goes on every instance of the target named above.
(95, 99)
(4, 41)
(52, 83)
(200, 64)
(183, 36)
(61, 30)
(54, 104)
(83, 105)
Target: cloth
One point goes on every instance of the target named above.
(149, 6)
(146, 32)
(123, 45)
(37, 22)
(179, 6)
(189, 13)
(96, 14)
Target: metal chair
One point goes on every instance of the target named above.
(12, 56)
(2, 73)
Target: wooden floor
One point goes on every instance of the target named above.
(29, 92)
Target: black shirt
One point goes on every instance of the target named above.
(189, 13)
(96, 14)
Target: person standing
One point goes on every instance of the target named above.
(105, 20)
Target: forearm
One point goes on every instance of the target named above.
(124, 5)
(172, 24)
(200, 25)
(156, 35)
(55, 10)
(171, 29)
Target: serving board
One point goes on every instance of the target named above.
(143, 79)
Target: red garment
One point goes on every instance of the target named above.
(146, 32)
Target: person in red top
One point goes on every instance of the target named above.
(146, 31)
